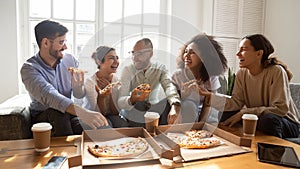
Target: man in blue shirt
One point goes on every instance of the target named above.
(50, 84)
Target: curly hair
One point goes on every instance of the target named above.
(211, 52)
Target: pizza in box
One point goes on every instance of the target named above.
(119, 148)
(195, 139)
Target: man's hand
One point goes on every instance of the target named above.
(174, 116)
(91, 118)
(138, 96)
(77, 77)
(233, 119)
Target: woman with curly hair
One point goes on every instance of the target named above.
(201, 61)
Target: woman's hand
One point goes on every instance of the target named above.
(102, 83)
(233, 120)
(188, 87)
(174, 116)
(106, 91)
(203, 91)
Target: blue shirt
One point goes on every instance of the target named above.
(48, 87)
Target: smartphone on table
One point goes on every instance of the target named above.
(55, 162)
(277, 154)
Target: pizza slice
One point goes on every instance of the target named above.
(76, 70)
(142, 88)
(195, 139)
(106, 89)
(198, 134)
(110, 86)
(196, 143)
(118, 148)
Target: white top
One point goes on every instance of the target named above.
(180, 77)
(156, 75)
(90, 99)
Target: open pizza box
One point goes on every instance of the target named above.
(93, 137)
(230, 144)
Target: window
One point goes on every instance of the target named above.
(78, 17)
(116, 23)
(234, 19)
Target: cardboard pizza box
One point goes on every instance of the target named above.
(230, 144)
(90, 137)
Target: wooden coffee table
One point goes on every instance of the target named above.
(21, 154)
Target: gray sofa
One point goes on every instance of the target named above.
(15, 120)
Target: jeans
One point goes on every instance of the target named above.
(272, 124)
(275, 125)
(135, 116)
(63, 124)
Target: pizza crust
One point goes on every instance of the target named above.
(76, 70)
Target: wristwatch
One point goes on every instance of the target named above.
(129, 102)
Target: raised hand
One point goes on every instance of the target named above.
(102, 83)
(77, 76)
(140, 93)
(203, 91)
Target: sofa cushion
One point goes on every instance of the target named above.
(295, 93)
(15, 124)
(15, 119)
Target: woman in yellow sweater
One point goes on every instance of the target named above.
(262, 88)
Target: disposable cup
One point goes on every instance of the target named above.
(151, 121)
(41, 136)
(249, 124)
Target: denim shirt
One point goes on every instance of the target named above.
(48, 87)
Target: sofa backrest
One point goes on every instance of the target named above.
(295, 92)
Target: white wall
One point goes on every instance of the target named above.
(8, 46)
(282, 27)
(188, 10)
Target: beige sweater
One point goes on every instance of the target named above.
(267, 92)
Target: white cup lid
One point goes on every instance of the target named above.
(152, 115)
(250, 116)
(41, 126)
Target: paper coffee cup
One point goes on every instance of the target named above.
(41, 136)
(249, 124)
(151, 121)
